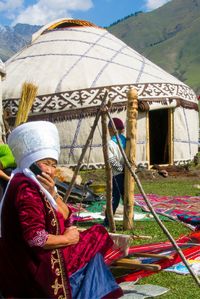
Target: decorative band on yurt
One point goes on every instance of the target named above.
(85, 102)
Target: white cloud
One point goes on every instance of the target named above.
(153, 4)
(45, 11)
(10, 5)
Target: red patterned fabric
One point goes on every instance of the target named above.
(26, 269)
(189, 253)
(171, 206)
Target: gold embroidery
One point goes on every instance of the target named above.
(60, 284)
(53, 222)
(53, 260)
(57, 271)
(48, 205)
(56, 286)
(61, 280)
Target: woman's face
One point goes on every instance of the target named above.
(48, 166)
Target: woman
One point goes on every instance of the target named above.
(42, 256)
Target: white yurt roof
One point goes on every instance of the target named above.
(73, 62)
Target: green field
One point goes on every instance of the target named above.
(179, 286)
(168, 36)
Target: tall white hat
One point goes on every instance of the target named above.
(34, 141)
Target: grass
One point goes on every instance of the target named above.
(179, 286)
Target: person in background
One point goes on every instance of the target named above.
(43, 255)
(117, 163)
(7, 164)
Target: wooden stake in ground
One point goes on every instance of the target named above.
(109, 210)
(28, 95)
(131, 130)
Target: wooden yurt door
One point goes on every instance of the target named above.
(160, 136)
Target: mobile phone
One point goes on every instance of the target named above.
(35, 169)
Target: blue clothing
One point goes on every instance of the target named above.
(122, 139)
(118, 190)
(117, 193)
(93, 281)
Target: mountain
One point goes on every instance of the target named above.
(168, 36)
(13, 39)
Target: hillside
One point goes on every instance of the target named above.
(168, 36)
(13, 39)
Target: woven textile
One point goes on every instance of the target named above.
(171, 206)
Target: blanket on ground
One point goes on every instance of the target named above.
(171, 206)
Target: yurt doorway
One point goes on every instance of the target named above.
(160, 136)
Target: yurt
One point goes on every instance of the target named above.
(2, 76)
(73, 63)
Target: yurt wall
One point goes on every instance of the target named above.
(73, 135)
(186, 124)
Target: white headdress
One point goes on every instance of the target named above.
(31, 142)
(34, 141)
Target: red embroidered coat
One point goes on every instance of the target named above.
(26, 269)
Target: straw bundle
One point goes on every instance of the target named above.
(28, 95)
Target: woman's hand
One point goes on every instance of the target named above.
(72, 235)
(47, 182)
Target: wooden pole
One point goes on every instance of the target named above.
(109, 209)
(67, 194)
(170, 136)
(131, 125)
(162, 226)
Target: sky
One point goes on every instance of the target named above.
(100, 12)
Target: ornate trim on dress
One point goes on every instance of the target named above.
(59, 285)
(39, 240)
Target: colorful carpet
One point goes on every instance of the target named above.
(94, 212)
(170, 206)
(180, 268)
(190, 250)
